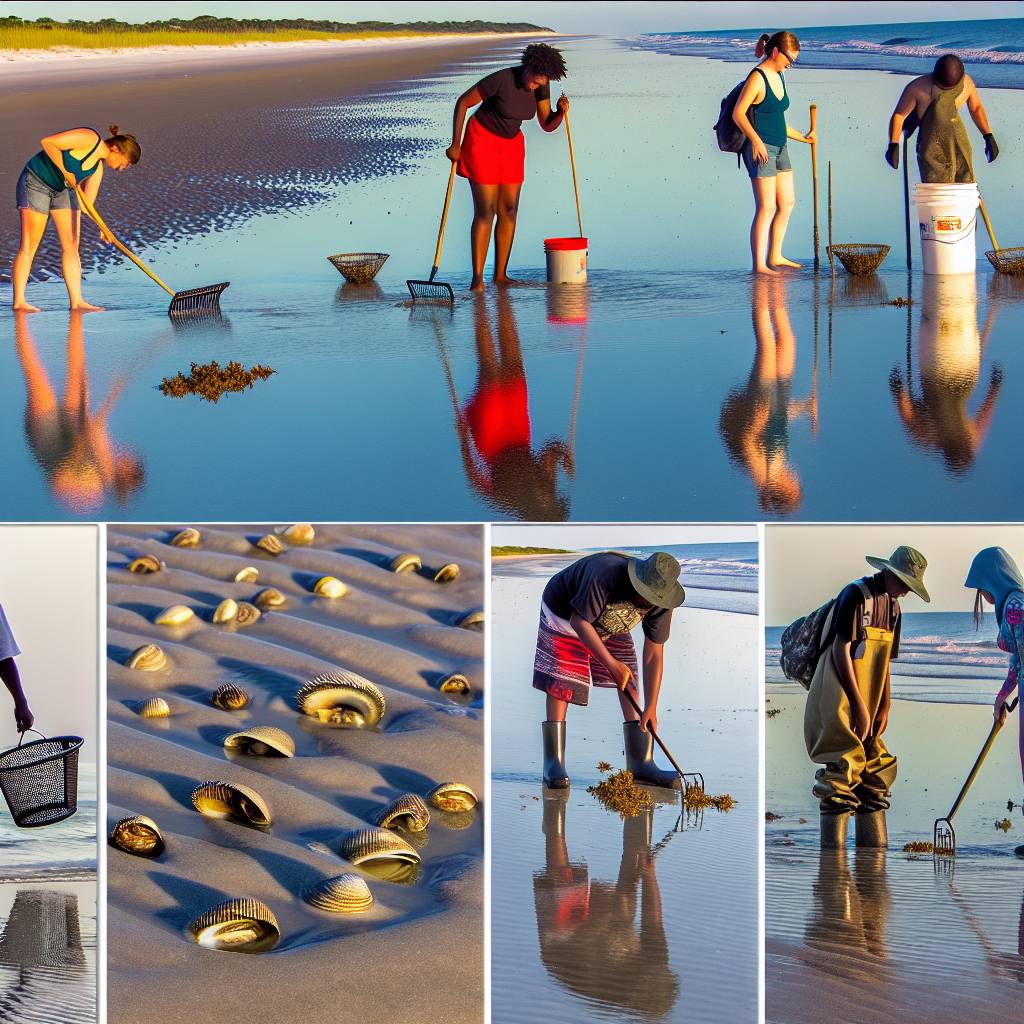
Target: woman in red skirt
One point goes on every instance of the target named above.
(492, 153)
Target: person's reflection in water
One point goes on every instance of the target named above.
(587, 929)
(754, 423)
(494, 429)
(70, 442)
(949, 349)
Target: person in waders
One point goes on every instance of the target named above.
(998, 581)
(9, 650)
(847, 706)
(932, 103)
(586, 615)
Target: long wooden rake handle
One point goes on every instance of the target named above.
(988, 224)
(444, 218)
(575, 183)
(814, 175)
(996, 726)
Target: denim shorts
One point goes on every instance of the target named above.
(34, 194)
(778, 160)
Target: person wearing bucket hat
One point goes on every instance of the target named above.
(849, 696)
(9, 650)
(587, 612)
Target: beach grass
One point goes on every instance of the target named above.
(506, 550)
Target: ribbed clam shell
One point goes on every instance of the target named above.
(261, 740)
(456, 820)
(138, 835)
(328, 586)
(268, 599)
(247, 614)
(186, 539)
(176, 615)
(250, 574)
(405, 563)
(231, 800)
(226, 611)
(377, 844)
(297, 535)
(145, 563)
(155, 707)
(243, 925)
(343, 894)
(471, 620)
(408, 811)
(454, 684)
(147, 658)
(447, 573)
(452, 796)
(342, 698)
(270, 544)
(230, 697)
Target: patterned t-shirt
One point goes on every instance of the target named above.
(1011, 635)
(8, 645)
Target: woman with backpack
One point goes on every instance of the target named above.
(766, 155)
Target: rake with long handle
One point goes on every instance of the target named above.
(431, 289)
(192, 301)
(943, 836)
(575, 184)
(698, 779)
(814, 175)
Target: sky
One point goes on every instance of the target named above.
(615, 535)
(612, 18)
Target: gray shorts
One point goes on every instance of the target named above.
(778, 160)
(34, 194)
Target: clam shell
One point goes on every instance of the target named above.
(381, 853)
(176, 615)
(268, 599)
(343, 894)
(138, 835)
(297, 535)
(250, 574)
(186, 539)
(145, 563)
(456, 683)
(230, 800)
(447, 573)
(329, 587)
(405, 563)
(408, 811)
(471, 620)
(147, 658)
(270, 544)
(230, 697)
(247, 614)
(342, 698)
(243, 925)
(155, 707)
(261, 740)
(452, 796)
(226, 611)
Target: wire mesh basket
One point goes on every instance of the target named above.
(1008, 261)
(858, 258)
(39, 780)
(359, 267)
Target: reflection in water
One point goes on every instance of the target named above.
(754, 422)
(83, 464)
(351, 292)
(949, 351)
(587, 929)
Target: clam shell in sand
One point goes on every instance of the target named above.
(230, 697)
(382, 854)
(241, 925)
(261, 741)
(247, 614)
(147, 658)
(343, 894)
(269, 599)
(176, 615)
(456, 683)
(298, 535)
(138, 835)
(454, 797)
(328, 586)
(226, 611)
(250, 574)
(408, 811)
(155, 707)
(186, 539)
(471, 620)
(270, 544)
(231, 800)
(145, 563)
(342, 698)
(447, 573)
(405, 563)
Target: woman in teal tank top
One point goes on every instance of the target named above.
(766, 154)
(46, 189)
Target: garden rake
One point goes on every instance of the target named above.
(431, 290)
(698, 779)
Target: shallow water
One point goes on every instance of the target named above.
(376, 410)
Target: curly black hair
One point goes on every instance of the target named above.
(544, 60)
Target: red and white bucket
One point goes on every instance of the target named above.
(567, 260)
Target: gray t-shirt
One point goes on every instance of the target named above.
(8, 645)
(506, 104)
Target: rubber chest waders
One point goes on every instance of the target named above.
(943, 148)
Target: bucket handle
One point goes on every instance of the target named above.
(21, 739)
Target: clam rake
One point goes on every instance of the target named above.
(698, 779)
(191, 302)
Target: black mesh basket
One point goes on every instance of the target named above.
(40, 780)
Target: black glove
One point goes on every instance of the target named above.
(892, 155)
(991, 149)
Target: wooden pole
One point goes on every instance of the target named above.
(814, 175)
(906, 198)
(575, 185)
(831, 258)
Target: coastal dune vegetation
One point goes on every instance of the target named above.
(206, 30)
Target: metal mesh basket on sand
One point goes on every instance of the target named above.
(359, 267)
(859, 258)
(40, 780)
(1008, 261)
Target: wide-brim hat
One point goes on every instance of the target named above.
(909, 565)
(656, 579)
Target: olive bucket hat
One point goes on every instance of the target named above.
(657, 579)
(909, 565)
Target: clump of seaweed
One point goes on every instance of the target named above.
(210, 381)
(771, 712)
(603, 766)
(899, 301)
(771, 816)
(1005, 824)
(695, 799)
(619, 793)
(918, 848)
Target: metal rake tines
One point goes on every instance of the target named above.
(697, 783)
(943, 837)
(434, 291)
(198, 300)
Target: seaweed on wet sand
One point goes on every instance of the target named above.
(919, 848)
(603, 766)
(899, 302)
(695, 799)
(619, 793)
(1005, 824)
(771, 712)
(210, 381)
(770, 816)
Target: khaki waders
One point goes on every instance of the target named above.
(943, 148)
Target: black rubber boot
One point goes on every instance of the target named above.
(833, 830)
(553, 736)
(640, 758)
(871, 830)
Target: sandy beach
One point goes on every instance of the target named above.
(419, 948)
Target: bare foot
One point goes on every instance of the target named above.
(764, 269)
(477, 284)
(87, 307)
(504, 279)
(781, 261)
(24, 307)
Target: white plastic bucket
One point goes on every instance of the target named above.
(948, 218)
(567, 260)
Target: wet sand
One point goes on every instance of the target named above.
(418, 950)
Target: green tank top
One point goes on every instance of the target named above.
(770, 113)
(50, 174)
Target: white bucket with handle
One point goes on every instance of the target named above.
(948, 219)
